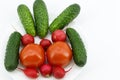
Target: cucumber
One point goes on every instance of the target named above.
(79, 51)
(68, 15)
(41, 18)
(26, 19)
(11, 60)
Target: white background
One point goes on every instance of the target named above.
(96, 23)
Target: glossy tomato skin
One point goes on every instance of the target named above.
(32, 55)
(59, 54)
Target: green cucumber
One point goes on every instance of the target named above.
(68, 15)
(11, 60)
(79, 51)
(26, 19)
(41, 18)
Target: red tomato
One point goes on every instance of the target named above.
(32, 55)
(59, 54)
(58, 35)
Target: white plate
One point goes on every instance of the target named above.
(9, 14)
(5, 76)
(96, 24)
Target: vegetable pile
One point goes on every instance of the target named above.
(49, 57)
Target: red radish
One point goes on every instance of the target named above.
(30, 72)
(27, 39)
(45, 43)
(46, 70)
(58, 35)
(59, 72)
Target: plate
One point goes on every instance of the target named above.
(12, 23)
(5, 76)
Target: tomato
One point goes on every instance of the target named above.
(59, 54)
(32, 55)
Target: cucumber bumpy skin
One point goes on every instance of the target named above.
(79, 51)
(41, 18)
(11, 60)
(68, 15)
(26, 19)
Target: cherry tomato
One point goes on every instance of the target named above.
(27, 39)
(45, 43)
(58, 35)
(32, 55)
(59, 54)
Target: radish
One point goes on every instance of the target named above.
(59, 72)
(30, 72)
(46, 70)
(27, 39)
(58, 35)
(45, 43)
